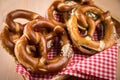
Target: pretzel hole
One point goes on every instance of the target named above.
(45, 30)
(82, 32)
(99, 32)
(58, 16)
(21, 20)
(55, 48)
(32, 49)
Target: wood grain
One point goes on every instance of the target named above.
(7, 66)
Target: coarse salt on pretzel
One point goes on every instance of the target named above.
(86, 43)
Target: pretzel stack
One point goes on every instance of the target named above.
(68, 23)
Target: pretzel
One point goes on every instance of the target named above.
(13, 30)
(52, 14)
(41, 64)
(86, 43)
(58, 11)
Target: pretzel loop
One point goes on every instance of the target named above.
(13, 30)
(38, 39)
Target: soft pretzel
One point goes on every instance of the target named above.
(53, 14)
(58, 11)
(86, 43)
(13, 30)
(30, 43)
(29, 15)
(41, 63)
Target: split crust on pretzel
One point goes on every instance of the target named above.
(41, 63)
(13, 30)
(87, 41)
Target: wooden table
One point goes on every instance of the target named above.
(7, 66)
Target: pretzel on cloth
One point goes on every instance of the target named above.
(34, 43)
(13, 30)
(61, 8)
(58, 12)
(87, 18)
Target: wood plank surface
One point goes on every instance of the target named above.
(7, 64)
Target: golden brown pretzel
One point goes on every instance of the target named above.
(58, 11)
(52, 13)
(85, 43)
(13, 30)
(41, 63)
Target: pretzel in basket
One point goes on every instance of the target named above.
(31, 48)
(13, 30)
(87, 17)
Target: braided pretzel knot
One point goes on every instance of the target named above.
(13, 30)
(86, 43)
(25, 51)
